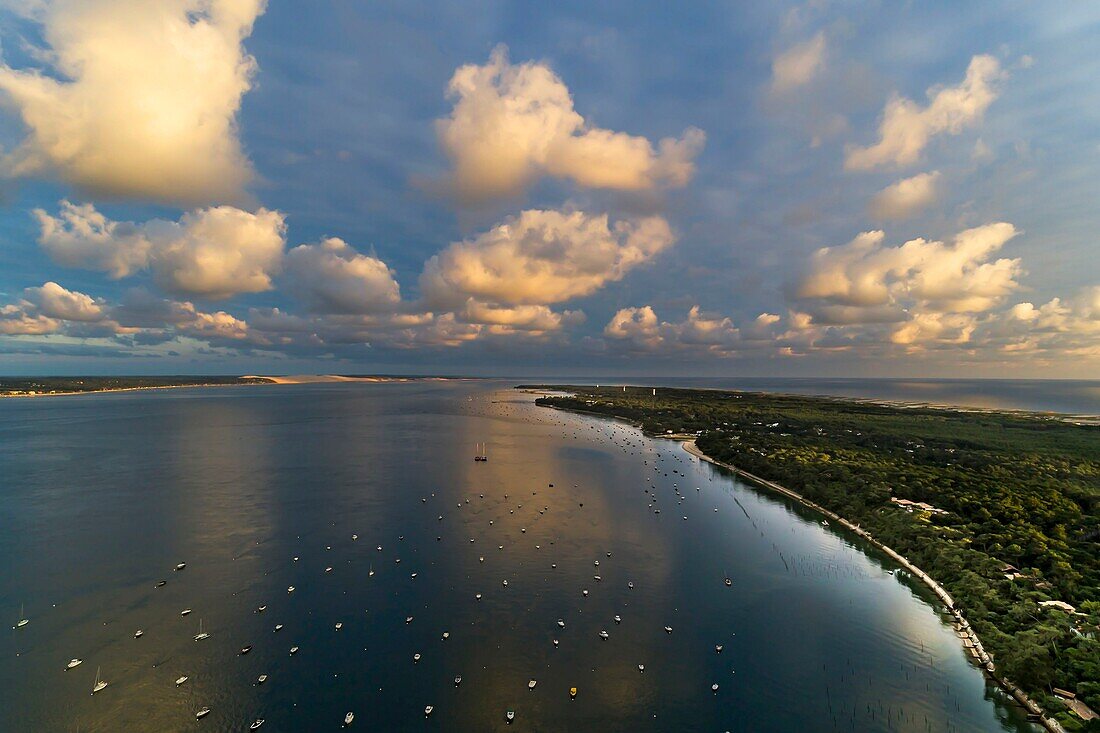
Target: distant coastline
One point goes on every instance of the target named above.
(63, 386)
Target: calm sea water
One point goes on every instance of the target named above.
(262, 488)
(1069, 396)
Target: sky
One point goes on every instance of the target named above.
(825, 188)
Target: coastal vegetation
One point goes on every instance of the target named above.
(1002, 509)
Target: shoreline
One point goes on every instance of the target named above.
(963, 629)
(132, 389)
(270, 382)
(962, 626)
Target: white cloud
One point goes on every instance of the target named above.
(532, 318)
(906, 198)
(141, 100)
(934, 276)
(331, 277)
(543, 257)
(213, 252)
(906, 128)
(798, 65)
(54, 301)
(699, 332)
(512, 123)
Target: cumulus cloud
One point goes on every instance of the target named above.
(54, 301)
(543, 257)
(865, 274)
(215, 252)
(906, 198)
(332, 277)
(906, 127)
(141, 100)
(699, 332)
(512, 123)
(798, 65)
(532, 318)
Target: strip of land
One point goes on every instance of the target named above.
(55, 386)
(996, 512)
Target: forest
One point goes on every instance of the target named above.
(1011, 517)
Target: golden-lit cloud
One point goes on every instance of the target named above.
(139, 100)
(513, 123)
(957, 277)
(906, 198)
(332, 277)
(906, 127)
(640, 329)
(215, 252)
(542, 257)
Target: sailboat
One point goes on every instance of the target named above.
(370, 572)
(99, 684)
(481, 453)
(202, 634)
(22, 621)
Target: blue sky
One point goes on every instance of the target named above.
(261, 188)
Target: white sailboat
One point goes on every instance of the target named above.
(22, 620)
(99, 684)
(202, 634)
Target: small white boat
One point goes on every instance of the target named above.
(584, 592)
(478, 596)
(202, 634)
(561, 623)
(355, 536)
(328, 570)
(446, 635)
(718, 648)
(531, 684)
(278, 627)
(714, 687)
(99, 684)
(138, 634)
(181, 566)
(510, 715)
(603, 635)
(185, 611)
(630, 585)
(416, 657)
(181, 680)
(22, 621)
(641, 668)
(556, 642)
(428, 710)
(408, 619)
(261, 679)
(458, 680)
(505, 583)
(350, 716)
(261, 609)
(202, 713)
(339, 625)
(618, 619)
(257, 724)
(371, 571)
(74, 663)
(668, 629)
(290, 589)
(293, 650)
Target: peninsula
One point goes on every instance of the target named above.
(1002, 510)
